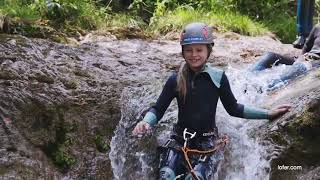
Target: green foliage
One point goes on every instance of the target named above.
(261, 9)
(63, 159)
(74, 12)
(59, 149)
(223, 21)
(101, 144)
(143, 8)
(25, 9)
(124, 20)
(283, 26)
(62, 14)
(247, 17)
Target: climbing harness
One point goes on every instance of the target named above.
(187, 151)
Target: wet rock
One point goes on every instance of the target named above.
(274, 128)
(299, 132)
(9, 75)
(64, 101)
(311, 175)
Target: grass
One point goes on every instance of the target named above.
(223, 21)
(16, 8)
(74, 15)
(283, 26)
(124, 20)
(173, 21)
(66, 17)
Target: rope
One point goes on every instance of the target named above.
(223, 141)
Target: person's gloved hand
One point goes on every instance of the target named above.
(279, 111)
(141, 128)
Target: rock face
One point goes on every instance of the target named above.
(60, 104)
(296, 135)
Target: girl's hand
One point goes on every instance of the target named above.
(279, 111)
(141, 128)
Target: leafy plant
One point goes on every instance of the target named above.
(101, 145)
(64, 159)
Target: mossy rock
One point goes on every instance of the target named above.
(63, 159)
(278, 138)
(44, 78)
(82, 72)
(8, 74)
(302, 133)
(22, 171)
(70, 84)
(101, 143)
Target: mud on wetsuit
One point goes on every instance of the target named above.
(309, 59)
(197, 114)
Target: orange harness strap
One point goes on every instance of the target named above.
(223, 141)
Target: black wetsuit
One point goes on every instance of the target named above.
(197, 114)
(199, 110)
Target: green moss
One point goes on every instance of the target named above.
(101, 144)
(59, 150)
(81, 72)
(278, 138)
(8, 74)
(70, 84)
(44, 78)
(308, 119)
(64, 159)
(47, 128)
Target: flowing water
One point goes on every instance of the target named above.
(246, 156)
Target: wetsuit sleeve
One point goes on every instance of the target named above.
(236, 109)
(157, 111)
(228, 100)
(310, 40)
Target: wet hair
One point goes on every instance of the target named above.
(183, 75)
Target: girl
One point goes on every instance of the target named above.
(197, 88)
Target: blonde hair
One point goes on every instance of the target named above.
(182, 80)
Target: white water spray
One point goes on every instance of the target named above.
(245, 157)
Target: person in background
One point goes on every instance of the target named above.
(197, 88)
(305, 10)
(308, 59)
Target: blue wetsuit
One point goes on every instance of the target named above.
(197, 113)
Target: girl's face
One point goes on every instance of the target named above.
(195, 55)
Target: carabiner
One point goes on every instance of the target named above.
(185, 133)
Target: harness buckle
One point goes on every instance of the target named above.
(187, 135)
(203, 158)
(191, 135)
